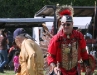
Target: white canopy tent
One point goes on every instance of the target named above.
(80, 22)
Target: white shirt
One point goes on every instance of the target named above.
(93, 53)
(88, 34)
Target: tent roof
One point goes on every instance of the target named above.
(23, 22)
(83, 11)
(79, 11)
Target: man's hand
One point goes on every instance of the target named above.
(88, 71)
(55, 68)
(57, 71)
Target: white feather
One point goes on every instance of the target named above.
(63, 19)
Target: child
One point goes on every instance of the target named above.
(16, 61)
(12, 51)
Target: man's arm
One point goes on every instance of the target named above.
(35, 59)
(82, 46)
(52, 50)
(84, 54)
(52, 54)
(85, 57)
(29, 45)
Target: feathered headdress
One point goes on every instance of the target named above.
(64, 10)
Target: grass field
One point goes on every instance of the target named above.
(12, 73)
(8, 73)
(95, 73)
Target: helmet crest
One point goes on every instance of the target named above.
(64, 10)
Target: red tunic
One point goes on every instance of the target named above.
(55, 54)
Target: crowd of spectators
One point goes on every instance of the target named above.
(8, 48)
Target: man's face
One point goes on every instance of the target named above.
(68, 26)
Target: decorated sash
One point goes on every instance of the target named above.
(69, 54)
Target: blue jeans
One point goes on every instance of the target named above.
(4, 58)
(1, 59)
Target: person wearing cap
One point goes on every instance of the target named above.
(31, 56)
(65, 50)
(3, 50)
(18, 31)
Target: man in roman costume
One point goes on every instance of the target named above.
(67, 47)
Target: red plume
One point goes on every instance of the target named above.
(65, 12)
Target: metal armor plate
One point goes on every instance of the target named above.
(69, 59)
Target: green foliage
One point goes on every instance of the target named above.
(84, 2)
(27, 8)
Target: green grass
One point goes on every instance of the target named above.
(95, 73)
(8, 73)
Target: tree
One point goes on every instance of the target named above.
(27, 8)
